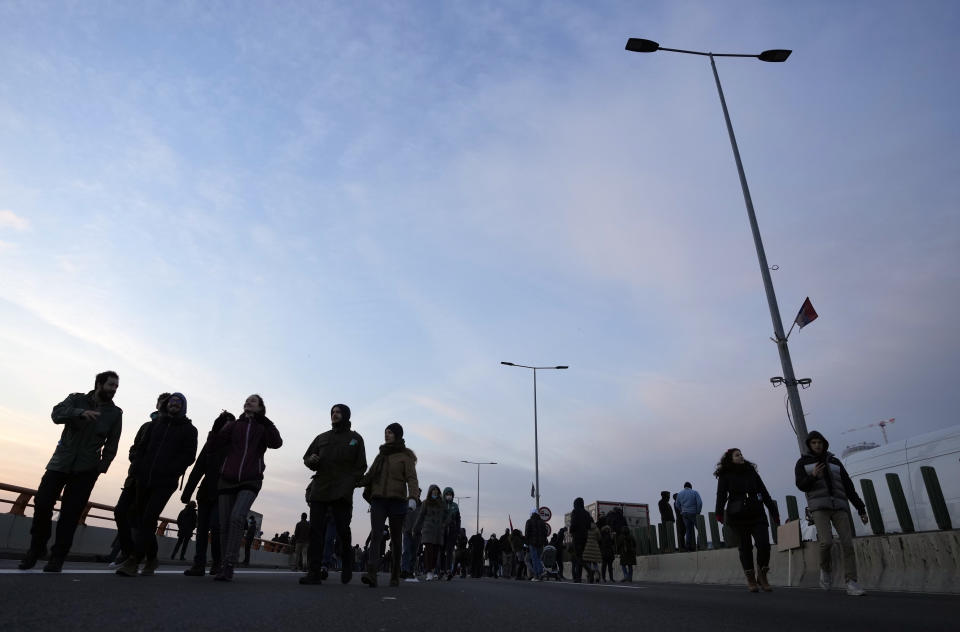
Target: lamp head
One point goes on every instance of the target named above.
(637, 45)
(775, 55)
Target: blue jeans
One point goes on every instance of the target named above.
(328, 541)
(690, 525)
(535, 561)
(409, 552)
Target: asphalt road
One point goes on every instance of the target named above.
(85, 596)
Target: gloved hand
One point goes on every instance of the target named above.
(412, 504)
(313, 461)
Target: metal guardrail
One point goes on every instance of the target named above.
(19, 506)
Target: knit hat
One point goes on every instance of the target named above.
(396, 429)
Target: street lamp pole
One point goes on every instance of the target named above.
(478, 485)
(536, 443)
(789, 378)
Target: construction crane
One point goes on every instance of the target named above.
(880, 424)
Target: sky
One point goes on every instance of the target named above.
(376, 203)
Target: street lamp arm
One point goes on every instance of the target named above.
(637, 45)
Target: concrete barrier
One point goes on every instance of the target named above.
(89, 541)
(914, 562)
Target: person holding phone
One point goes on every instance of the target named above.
(822, 477)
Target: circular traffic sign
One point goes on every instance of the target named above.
(549, 529)
(545, 513)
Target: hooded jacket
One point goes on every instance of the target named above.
(244, 443)
(167, 449)
(430, 518)
(451, 518)
(343, 461)
(744, 482)
(580, 520)
(85, 445)
(834, 490)
(666, 511)
(535, 531)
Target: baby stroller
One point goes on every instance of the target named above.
(551, 570)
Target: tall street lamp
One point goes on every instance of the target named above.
(536, 446)
(637, 45)
(478, 464)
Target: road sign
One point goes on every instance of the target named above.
(549, 529)
(545, 513)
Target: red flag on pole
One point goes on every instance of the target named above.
(806, 315)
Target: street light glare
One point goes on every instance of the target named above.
(775, 55)
(637, 45)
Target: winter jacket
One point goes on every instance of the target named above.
(591, 552)
(301, 533)
(131, 481)
(833, 490)
(205, 472)
(244, 442)
(343, 461)
(608, 547)
(397, 477)
(535, 531)
(85, 445)
(627, 547)
(580, 520)
(168, 448)
(666, 511)
(493, 548)
(430, 519)
(690, 501)
(186, 522)
(451, 519)
(743, 483)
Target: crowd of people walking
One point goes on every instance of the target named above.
(424, 533)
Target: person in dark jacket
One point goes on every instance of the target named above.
(451, 527)
(186, 523)
(244, 443)
(627, 548)
(123, 513)
(87, 446)
(535, 533)
(822, 477)
(493, 555)
(339, 459)
(666, 518)
(168, 448)
(301, 543)
(476, 545)
(608, 551)
(741, 495)
(206, 474)
(580, 521)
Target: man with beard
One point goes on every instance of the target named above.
(91, 434)
(340, 460)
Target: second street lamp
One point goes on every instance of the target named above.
(637, 45)
(536, 446)
(478, 464)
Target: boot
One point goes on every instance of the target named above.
(54, 565)
(149, 567)
(215, 568)
(311, 578)
(197, 570)
(30, 559)
(225, 574)
(751, 581)
(129, 567)
(370, 578)
(395, 572)
(762, 579)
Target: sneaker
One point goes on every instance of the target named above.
(149, 568)
(225, 574)
(215, 568)
(429, 576)
(197, 570)
(128, 568)
(411, 579)
(854, 589)
(825, 579)
(55, 565)
(324, 573)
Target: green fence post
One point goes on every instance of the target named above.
(701, 533)
(793, 511)
(873, 506)
(714, 530)
(940, 512)
(900, 503)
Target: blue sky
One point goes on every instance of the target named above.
(376, 203)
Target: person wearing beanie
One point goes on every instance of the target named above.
(391, 488)
(451, 528)
(244, 442)
(741, 495)
(829, 490)
(338, 459)
(159, 461)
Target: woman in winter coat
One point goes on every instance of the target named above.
(741, 495)
(608, 551)
(591, 553)
(430, 527)
(627, 546)
(244, 443)
(391, 488)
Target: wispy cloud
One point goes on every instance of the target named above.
(9, 219)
